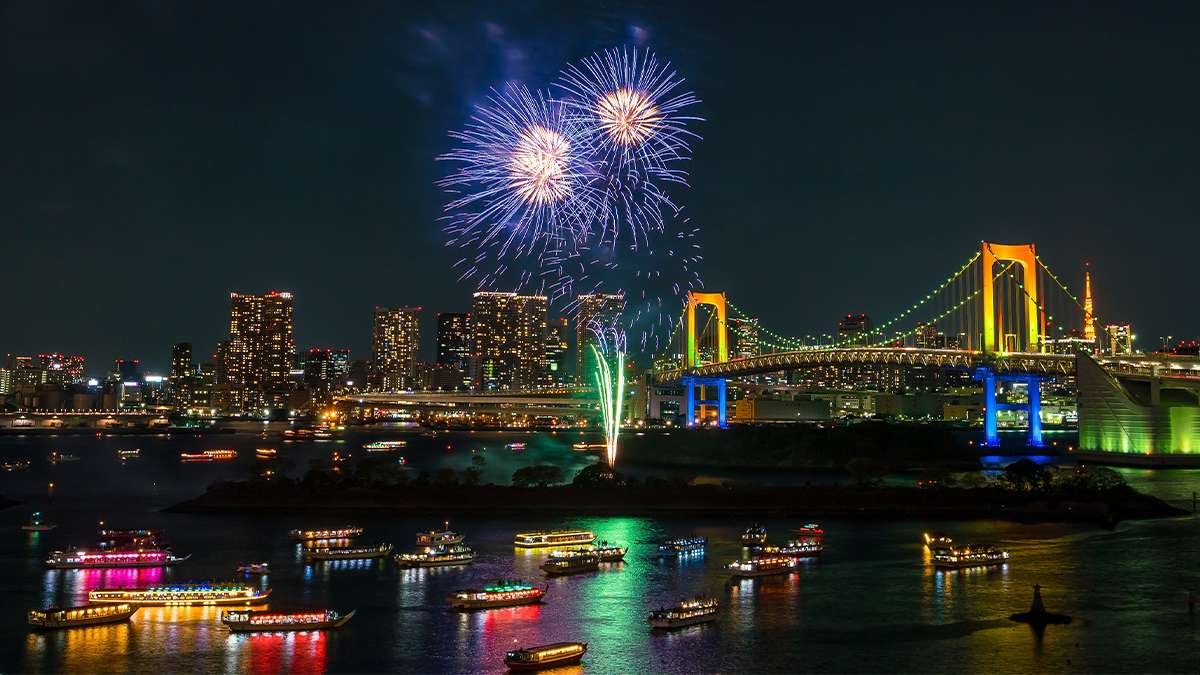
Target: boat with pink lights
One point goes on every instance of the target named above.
(267, 620)
(83, 558)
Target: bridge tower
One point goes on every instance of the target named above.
(1025, 258)
(695, 388)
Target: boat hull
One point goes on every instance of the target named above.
(470, 605)
(948, 565)
(671, 624)
(247, 627)
(574, 569)
(114, 565)
(415, 564)
(750, 574)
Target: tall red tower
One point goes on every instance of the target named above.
(1089, 321)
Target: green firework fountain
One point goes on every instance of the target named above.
(610, 386)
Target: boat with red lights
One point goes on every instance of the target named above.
(184, 595)
(437, 556)
(761, 566)
(88, 558)
(500, 594)
(316, 535)
(545, 656)
(571, 562)
(699, 609)
(266, 620)
(86, 615)
(348, 552)
(442, 537)
(549, 538)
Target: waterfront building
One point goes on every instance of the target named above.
(453, 351)
(396, 343)
(6, 381)
(508, 340)
(60, 369)
(323, 370)
(557, 347)
(181, 374)
(853, 330)
(256, 360)
(591, 310)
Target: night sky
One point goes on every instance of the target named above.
(156, 156)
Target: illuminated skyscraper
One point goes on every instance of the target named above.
(1089, 320)
(182, 373)
(508, 340)
(396, 346)
(1118, 339)
(745, 337)
(557, 347)
(325, 370)
(261, 349)
(603, 309)
(61, 369)
(853, 330)
(454, 350)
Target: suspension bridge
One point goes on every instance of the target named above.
(1003, 316)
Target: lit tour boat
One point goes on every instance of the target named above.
(673, 548)
(442, 537)
(546, 656)
(761, 566)
(184, 595)
(584, 447)
(128, 540)
(571, 562)
(384, 446)
(515, 446)
(938, 542)
(317, 535)
(548, 538)
(87, 615)
(502, 594)
(755, 534)
(19, 465)
(699, 609)
(219, 455)
(607, 552)
(265, 453)
(795, 548)
(811, 533)
(125, 455)
(37, 524)
(254, 568)
(437, 556)
(971, 555)
(265, 620)
(86, 558)
(348, 552)
(57, 457)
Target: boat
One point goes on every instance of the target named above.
(548, 538)
(317, 535)
(19, 465)
(699, 609)
(811, 533)
(755, 534)
(545, 656)
(443, 537)
(608, 553)
(348, 552)
(189, 594)
(793, 548)
(218, 455)
(254, 568)
(971, 555)
(571, 562)
(89, 559)
(761, 566)
(57, 457)
(86, 615)
(384, 446)
(519, 445)
(437, 556)
(126, 455)
(501, 594)
(266, 620)
(265, 453)
(937, 542)
(584, 447)
(36, 524)
(128, 540)
(673, 548)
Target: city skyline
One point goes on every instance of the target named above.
(923, 168)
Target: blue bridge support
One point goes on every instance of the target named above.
(1033, 407)
(692, 384)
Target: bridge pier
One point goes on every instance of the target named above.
(1033, 407)
(690, 385)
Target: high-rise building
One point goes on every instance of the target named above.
(926, 336)
(557, 347)
(508, 340)
(396, 345)
(453, 351)
(744, 332)
(6, 382)
(61, 369)
(182, 373)
(593, 310)
(325, 369)
(260, 351)
(127, 370)
(1118, 339)
(854, 330)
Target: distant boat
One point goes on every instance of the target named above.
(761, 566)
(36, 524)
(266, 620)
(674, 548)
(514, 446)
(571, 562)
(254, 568)
(57, 457)
(348, 552)
(439, 556)
(971, 555)
(700, 609)
(549, 538)
(545, 656)
(87, 615)
(126, 455)
(502, 594)
(316, 535)
(755, 534)
(441, 537)
(19, 465)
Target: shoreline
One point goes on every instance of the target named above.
(882, 503)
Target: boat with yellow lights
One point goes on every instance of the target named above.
(699, 609)
(937, 542)
(384, 446)
(87, 615)
(550, 538)
(265, 453)
(608, 553)
(125, 455)
(219, 455)
(761, 566)
(500, 594)
(437, 556)
(545, 656)
(348, 552)
(266, 620)
(755, 534)
(971, 555)
(571, 562)
(317, 535)
(184, 595)
(442, 537)
(89, 558)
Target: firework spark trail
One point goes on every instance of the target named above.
(610, 385)
(631, 108)
(524, 183)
